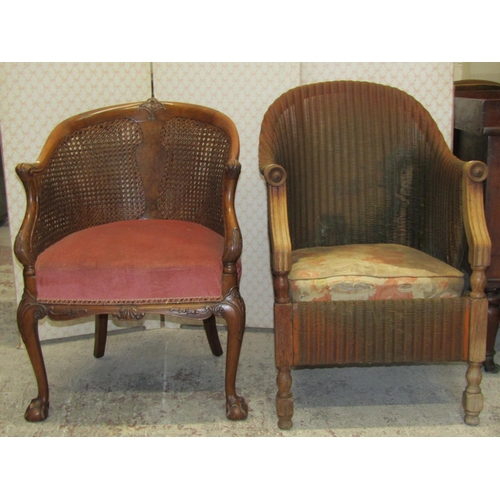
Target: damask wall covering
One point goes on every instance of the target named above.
(34, 97)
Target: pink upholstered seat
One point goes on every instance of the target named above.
(137, 261)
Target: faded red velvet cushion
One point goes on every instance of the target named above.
(136, 261)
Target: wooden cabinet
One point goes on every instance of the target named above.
(477, 137)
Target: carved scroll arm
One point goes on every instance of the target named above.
(279, 230)
(233, 243)
(29, 173)
(478, 238)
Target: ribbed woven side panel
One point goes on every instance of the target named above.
(382, 331)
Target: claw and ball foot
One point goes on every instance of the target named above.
(236, 408)
(232, 309)
(37, 410)
(28, 314)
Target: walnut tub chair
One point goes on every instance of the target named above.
(371, 222)
(130, 210)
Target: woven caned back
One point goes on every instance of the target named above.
(92, 178)
(359, 160)
(191, 185)
(150, 160)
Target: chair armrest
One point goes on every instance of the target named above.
(275, 175)
(233, 243)
(478, 239)
(23, 247)
(455, 200)
(441, 230)
(279, 230)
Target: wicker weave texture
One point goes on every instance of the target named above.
(191, 186)
(360, 161)
(91, 179)
(96, 176)
(380, 332)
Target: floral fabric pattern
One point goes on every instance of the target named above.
(370, 272)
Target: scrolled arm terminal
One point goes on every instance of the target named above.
(476, 170)
(275, 175)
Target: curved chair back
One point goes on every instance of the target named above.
(133, 161)
(359, 161)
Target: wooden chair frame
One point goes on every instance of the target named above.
(150, 157)
(296, 321)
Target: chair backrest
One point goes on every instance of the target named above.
(152, 160)
(359, 159)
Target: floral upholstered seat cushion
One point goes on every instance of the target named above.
(370, 272)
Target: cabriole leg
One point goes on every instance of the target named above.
(213, 336)
(232, 309)
(101, 334)
(28, 314)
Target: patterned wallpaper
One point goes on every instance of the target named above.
(34, 97)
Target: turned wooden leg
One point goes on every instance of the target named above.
(489, 364)
(101, 334)
(232, 309)
(284, 360)
(213, 336)
(472, 398)
(284, 398)
(28, 314)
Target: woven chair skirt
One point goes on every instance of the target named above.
(380, 332)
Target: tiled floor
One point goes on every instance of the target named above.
(166, 383)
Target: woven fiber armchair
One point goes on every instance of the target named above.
(371, 221)
(130, 210)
